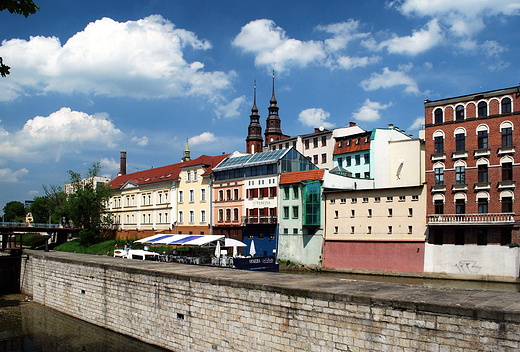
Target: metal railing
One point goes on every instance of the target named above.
(29, 225)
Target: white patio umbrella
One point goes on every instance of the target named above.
(217, 250)
(252, 249)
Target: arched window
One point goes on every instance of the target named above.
(439, 173)
(235, 214)
(482, 136)
(459, 113)
(220, 215)
(438, 142)
(482, 109)
(506, 129)
(460, 203)
(439, 116)
(221, 195)
(482, 166)
(438, 201)
(482, 201)
(460, 172)
(460, 139)
(506, 106)
(228, 215)
(506, 198)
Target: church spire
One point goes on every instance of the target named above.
(273, 130)
(186, 152)
(254, 137)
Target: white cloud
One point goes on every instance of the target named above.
(274, 49)
(109, 165)
(389, 78)
(141, 59)
(419, 42)
(232, 109)
(417, 123)
(203, 138)
(8, 175)
(370, 111)
(62, 132)
(140, 141)
(315, 117)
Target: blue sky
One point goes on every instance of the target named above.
(91, 78)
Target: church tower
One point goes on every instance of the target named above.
(273, 130)
(254, 136)
(187, 156)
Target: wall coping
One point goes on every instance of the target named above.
(480, 304)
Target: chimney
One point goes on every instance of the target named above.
(122, 164)
(351, 124)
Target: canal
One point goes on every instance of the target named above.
(26, 326)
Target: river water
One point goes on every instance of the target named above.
(26, 326)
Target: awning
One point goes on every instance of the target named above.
(190, 240)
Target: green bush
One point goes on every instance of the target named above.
(33, 240)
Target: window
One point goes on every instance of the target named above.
(181, 216)
(410, 229)
(460, 175)
(507, 171)
(315, 158)
(353, 200)
(506, 105)
(377, 199)
(482, 109)
(415, 197)
(460, 206)
(340, 162)
(482, 237)
(460, 142)
(235, 214)
(181, 197)
(203, 195)
(365, 200)
(295, 231)
(323, 158)
(228, 194)
(439, 117)
(438, 144)
(507, 204)
(286, 192)
(306, 143)
(402, 198)
(192, 196)
(295, 212)
(352, 213)
(192, 216)
(286, 212)
(390, 212)
(203, 216)
(507, 136)
(348, 160)
(482, 205)
(505, 237)
(459, 113)
(410, 211)
(482, 139)
(358, 159)
(482, 173)
(336, 214)
(272, 192)
(228, 215)
(390, 199)
(332, 201)
(336, 229)
(323, 141)
(235, 194)
(296, 191)
(369, 229)
(439, 176)
(389, 229)
(352, 228)
(439, 206)
(315, 142)
(366, 156)
(369, 213)
(343, 200)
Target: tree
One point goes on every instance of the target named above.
(87, 205)
(14, 211)
(52, 207)
(20, 7)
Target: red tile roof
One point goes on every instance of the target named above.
(168, 172)
(299, 176)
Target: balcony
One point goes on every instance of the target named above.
(471, 219)
(261, 219)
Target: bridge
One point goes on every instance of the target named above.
(11, 233)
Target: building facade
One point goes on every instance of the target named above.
(473, 212)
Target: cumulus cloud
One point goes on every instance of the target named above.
(141, 59)
(8, 175)
(203, 138)
(62, 132)
(418, 123)
(229, 110)
(315, 117)
(419, 42)
(274, 49)
(370, 111)
(389, 78)
(140, 141)
(109, 165)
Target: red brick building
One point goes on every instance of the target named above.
(471, 172)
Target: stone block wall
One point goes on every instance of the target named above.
(196, 308)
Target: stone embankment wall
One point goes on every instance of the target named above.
(195, 308)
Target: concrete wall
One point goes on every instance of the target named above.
(497, 261)
(195, 308)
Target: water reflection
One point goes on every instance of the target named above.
(455, 284)
(26, 326)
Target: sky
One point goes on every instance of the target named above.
(92, 78)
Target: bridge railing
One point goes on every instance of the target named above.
(29, 225)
